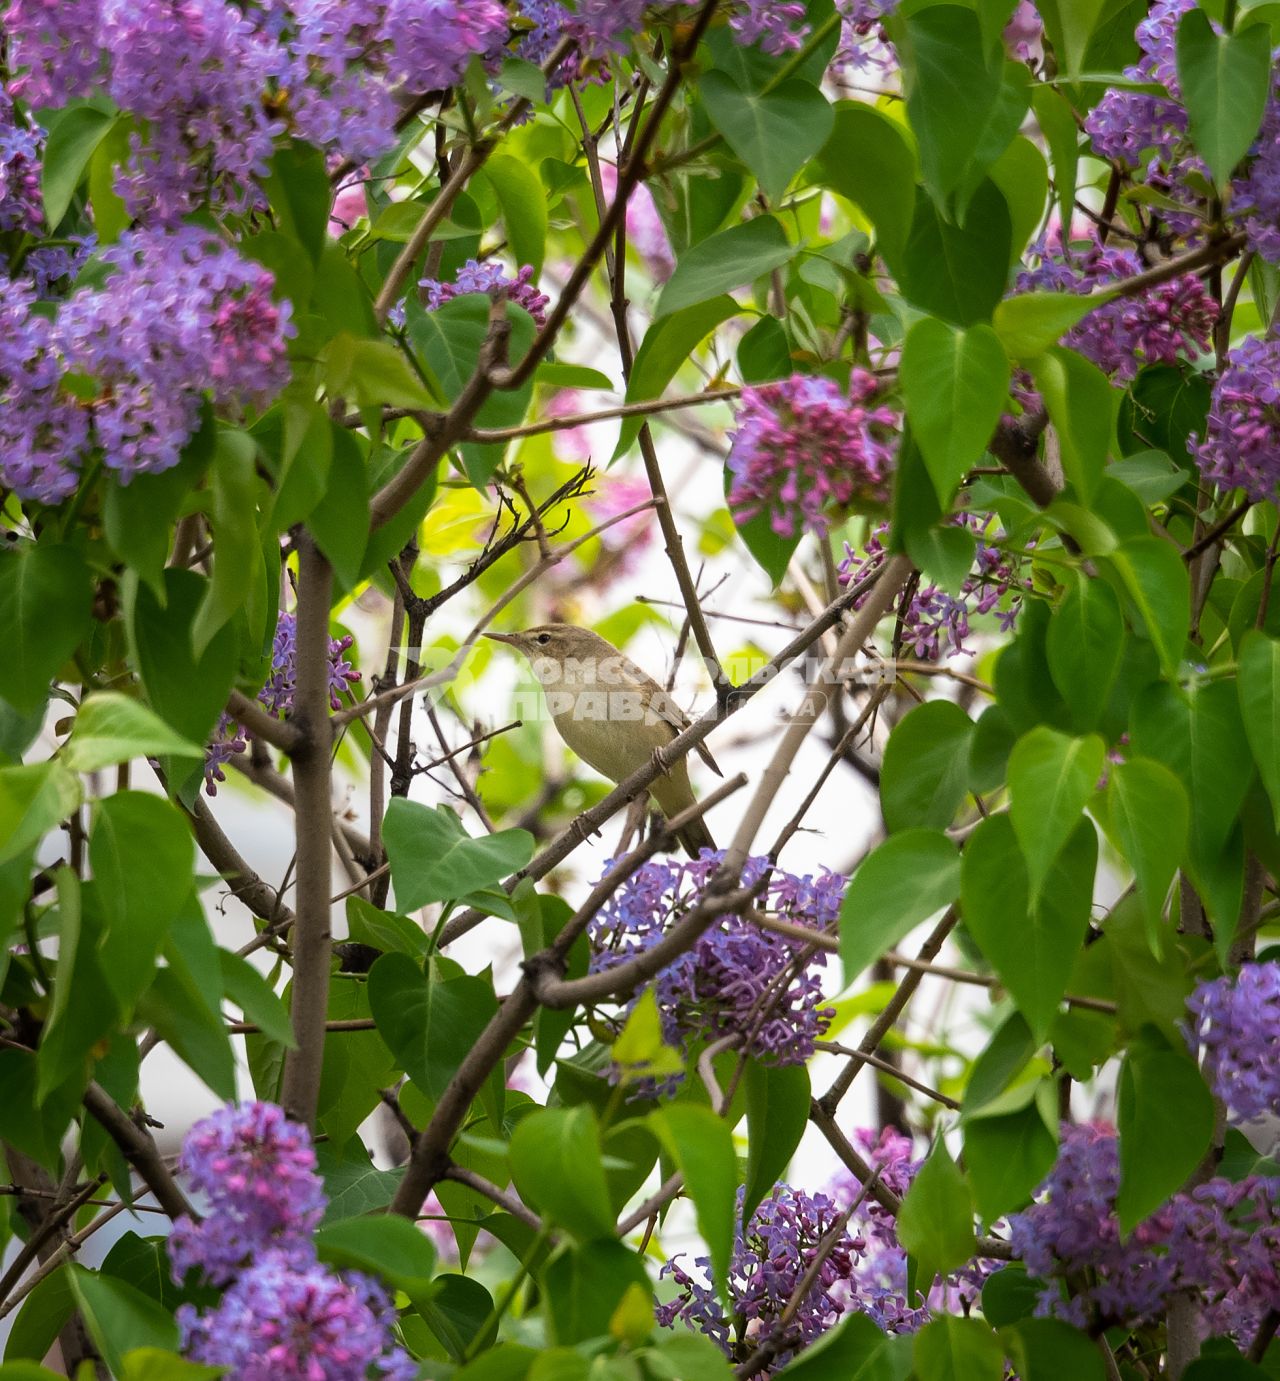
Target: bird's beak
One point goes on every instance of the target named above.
(508, 638)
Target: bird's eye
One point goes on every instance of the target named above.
(544, 638)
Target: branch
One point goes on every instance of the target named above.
(313, 811)
(279, 733)
(138, 1148)
(245, 884)
(582, 419)
(507, 1202)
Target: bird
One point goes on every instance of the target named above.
(612, 714)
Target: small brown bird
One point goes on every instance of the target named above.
(611, 713)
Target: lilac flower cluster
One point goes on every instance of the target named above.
(737, 978)
(490, 278)
(1219, 1242)
(771, 1254)
(283, 1315)
(276, 696)
(1158, 326)
(777, 28)
(1235, 1022)
(863, 44)
(1241, 448)
(935, 623)
(181, 315)
(20, 147)
(803, 447)
(644, 227)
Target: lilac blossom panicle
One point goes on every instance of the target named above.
(489, 278)
(776, 27)
(737, 978)
(54, 48)
(1166, 323)
(863, 44)
(803, 446)
(283, 1316)
(20, 146)
(276, 696)
(1236, 1023)
(1219, 1242)
(770, 1256)
(936, 624)
(1241, 447)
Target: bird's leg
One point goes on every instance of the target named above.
(659, 760)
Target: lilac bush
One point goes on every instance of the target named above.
(1234, 1022)
(1241, 446)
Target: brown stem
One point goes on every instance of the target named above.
(138, 1149)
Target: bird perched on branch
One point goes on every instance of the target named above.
(613, 715)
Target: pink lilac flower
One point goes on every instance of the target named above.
(803, 447)
(1024, 32)
(1241, 448)
(54, 49)
(1236, 1023)
(1159, 326)
(44, 432)
(1219, 1243)
(276, 696)
(771, 1254)
(737, 978)
(936, 624)
(257, 1172)
(350, 204)
(645, 230)
(627, 540)
(776, 28)
(489, 277)
(286, 1321)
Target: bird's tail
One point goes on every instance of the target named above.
(696, 836)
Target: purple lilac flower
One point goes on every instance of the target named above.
(803, 447)
(258, 1172)
(1241, 448)
(863, 43)
(181, 314)
(770, 1256)
(1236, 1022)
(1220, 1242)
(1256, 195)
(935, 624)
(1024, 32)
(20, 146)
(44, 433)
(276, 696)
(286, 1321)
(489, 277)
(738, 978)
(1159, 326)
(54, 48)
(777, 28)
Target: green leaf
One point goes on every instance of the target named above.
(523, 203)
(1149, 817)
(255, 997)
(1030, 323)
(1051, 776)
(143, 859)
(1006, 1158)
(237, 561)
(430, 1025)
(923, 778)
(41, 1317)
(111, 728)
(46, 594)
(340, 520)
(1085, 646)
(701, 1145)
(156, 1364)
(667, 344)
(72, 142)
(957, 1349)
(881, 180)
(120, 1318)
(1030, 948)
(957, 272)
(730, 259)
(434, 859)
(585, 1287)
(1079, 401)
(1224, 80)
(383, 1245)
(777, 1115)
(772, 550)
(1006, 1055)
(854, 1350)
(955, 384)
(1259, 688)
(640, 1052)
(373, 373)
(460, 1312)
(1155, 578)
(1022, 176)
(952, 81)
(774, 131)
(1057, 122)
(901, 883)
(175, 1007)
(543, 1146)
(1070, 25)
(935, 1221)
(1050, 1350)
(301, 194)
(34, 798)
(1165, 1119)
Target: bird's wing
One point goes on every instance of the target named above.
(671, 713)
